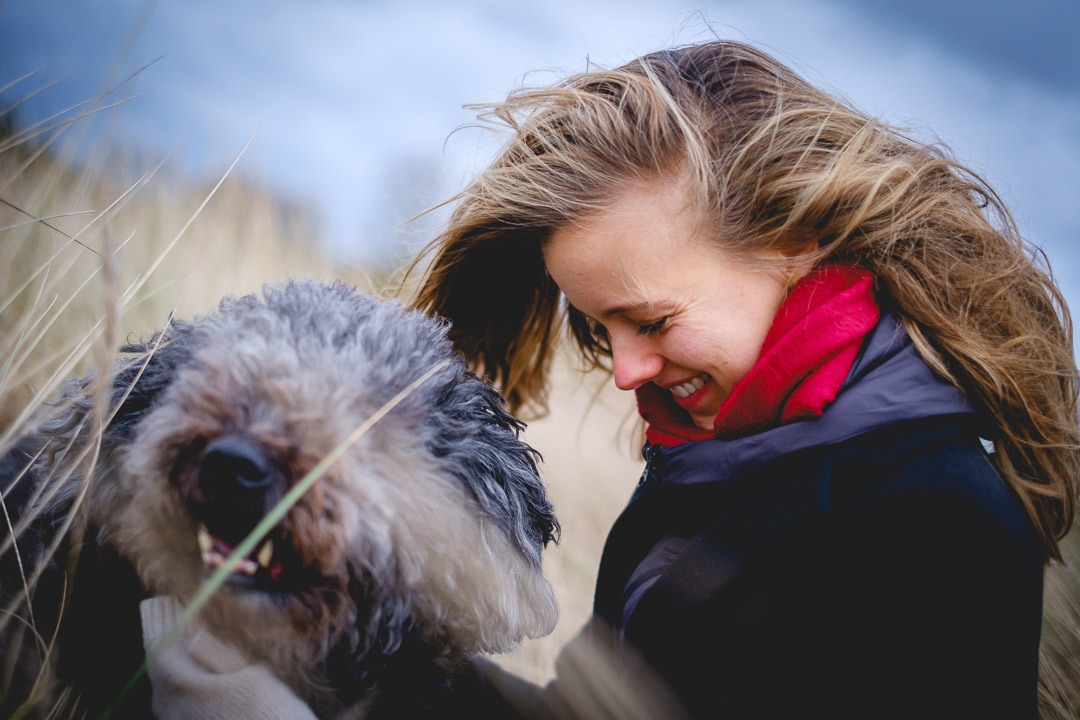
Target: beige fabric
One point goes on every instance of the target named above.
(196, 677)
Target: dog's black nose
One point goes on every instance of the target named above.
(237, 463)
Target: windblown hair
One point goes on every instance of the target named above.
(772, 163)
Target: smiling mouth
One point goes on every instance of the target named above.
(691, 386)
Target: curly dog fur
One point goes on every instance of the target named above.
(420, 545)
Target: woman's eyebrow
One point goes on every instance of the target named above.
(629, 308)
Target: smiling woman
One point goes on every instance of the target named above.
(825, 324)
(673, 309)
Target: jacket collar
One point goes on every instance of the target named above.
(888, 383)
(805, 357)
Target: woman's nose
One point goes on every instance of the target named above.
(634, 361)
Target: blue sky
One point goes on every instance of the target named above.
(356, 102)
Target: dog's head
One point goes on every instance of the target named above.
(431, 519)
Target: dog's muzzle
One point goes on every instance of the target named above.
(238, 483)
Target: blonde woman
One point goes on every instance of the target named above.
(857, 381)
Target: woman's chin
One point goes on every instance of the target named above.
(704, 422)
(702, 406)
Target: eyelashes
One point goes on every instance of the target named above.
(592, 333)
(653, 327)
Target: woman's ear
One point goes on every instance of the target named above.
(798, 253)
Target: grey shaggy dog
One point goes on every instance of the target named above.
(419, 546)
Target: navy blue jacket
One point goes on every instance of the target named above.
(869, 563)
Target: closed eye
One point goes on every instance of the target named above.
(653, 327)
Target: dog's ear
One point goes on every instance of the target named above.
(142, 372)
(40, 479)
(476, 440)
(148, 368)
(484, 448)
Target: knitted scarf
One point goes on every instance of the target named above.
(808, 351)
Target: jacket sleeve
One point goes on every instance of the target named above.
(593, 681)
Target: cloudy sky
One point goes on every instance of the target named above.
(356, 101)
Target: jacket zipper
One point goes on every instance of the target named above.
(648, 452)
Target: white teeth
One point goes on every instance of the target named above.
(206, 543)
(266, 554)
(690, 387)
(246, 567)
(213, 558)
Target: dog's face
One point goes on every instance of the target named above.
(434, 518)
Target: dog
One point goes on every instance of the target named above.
(415, 541)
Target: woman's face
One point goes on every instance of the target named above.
(678, 311)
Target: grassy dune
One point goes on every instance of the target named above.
(94, 256)
(86, 252)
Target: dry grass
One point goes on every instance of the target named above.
(93, 256)
(1059, 691)
(86, 249)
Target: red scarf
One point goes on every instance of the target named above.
(804, 360)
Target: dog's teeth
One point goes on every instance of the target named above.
(206, 543)
(266, 554)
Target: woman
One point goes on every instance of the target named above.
(857, 382)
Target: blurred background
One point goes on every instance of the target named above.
(354, 103)
(155, 155)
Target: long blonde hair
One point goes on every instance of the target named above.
(771, 161)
